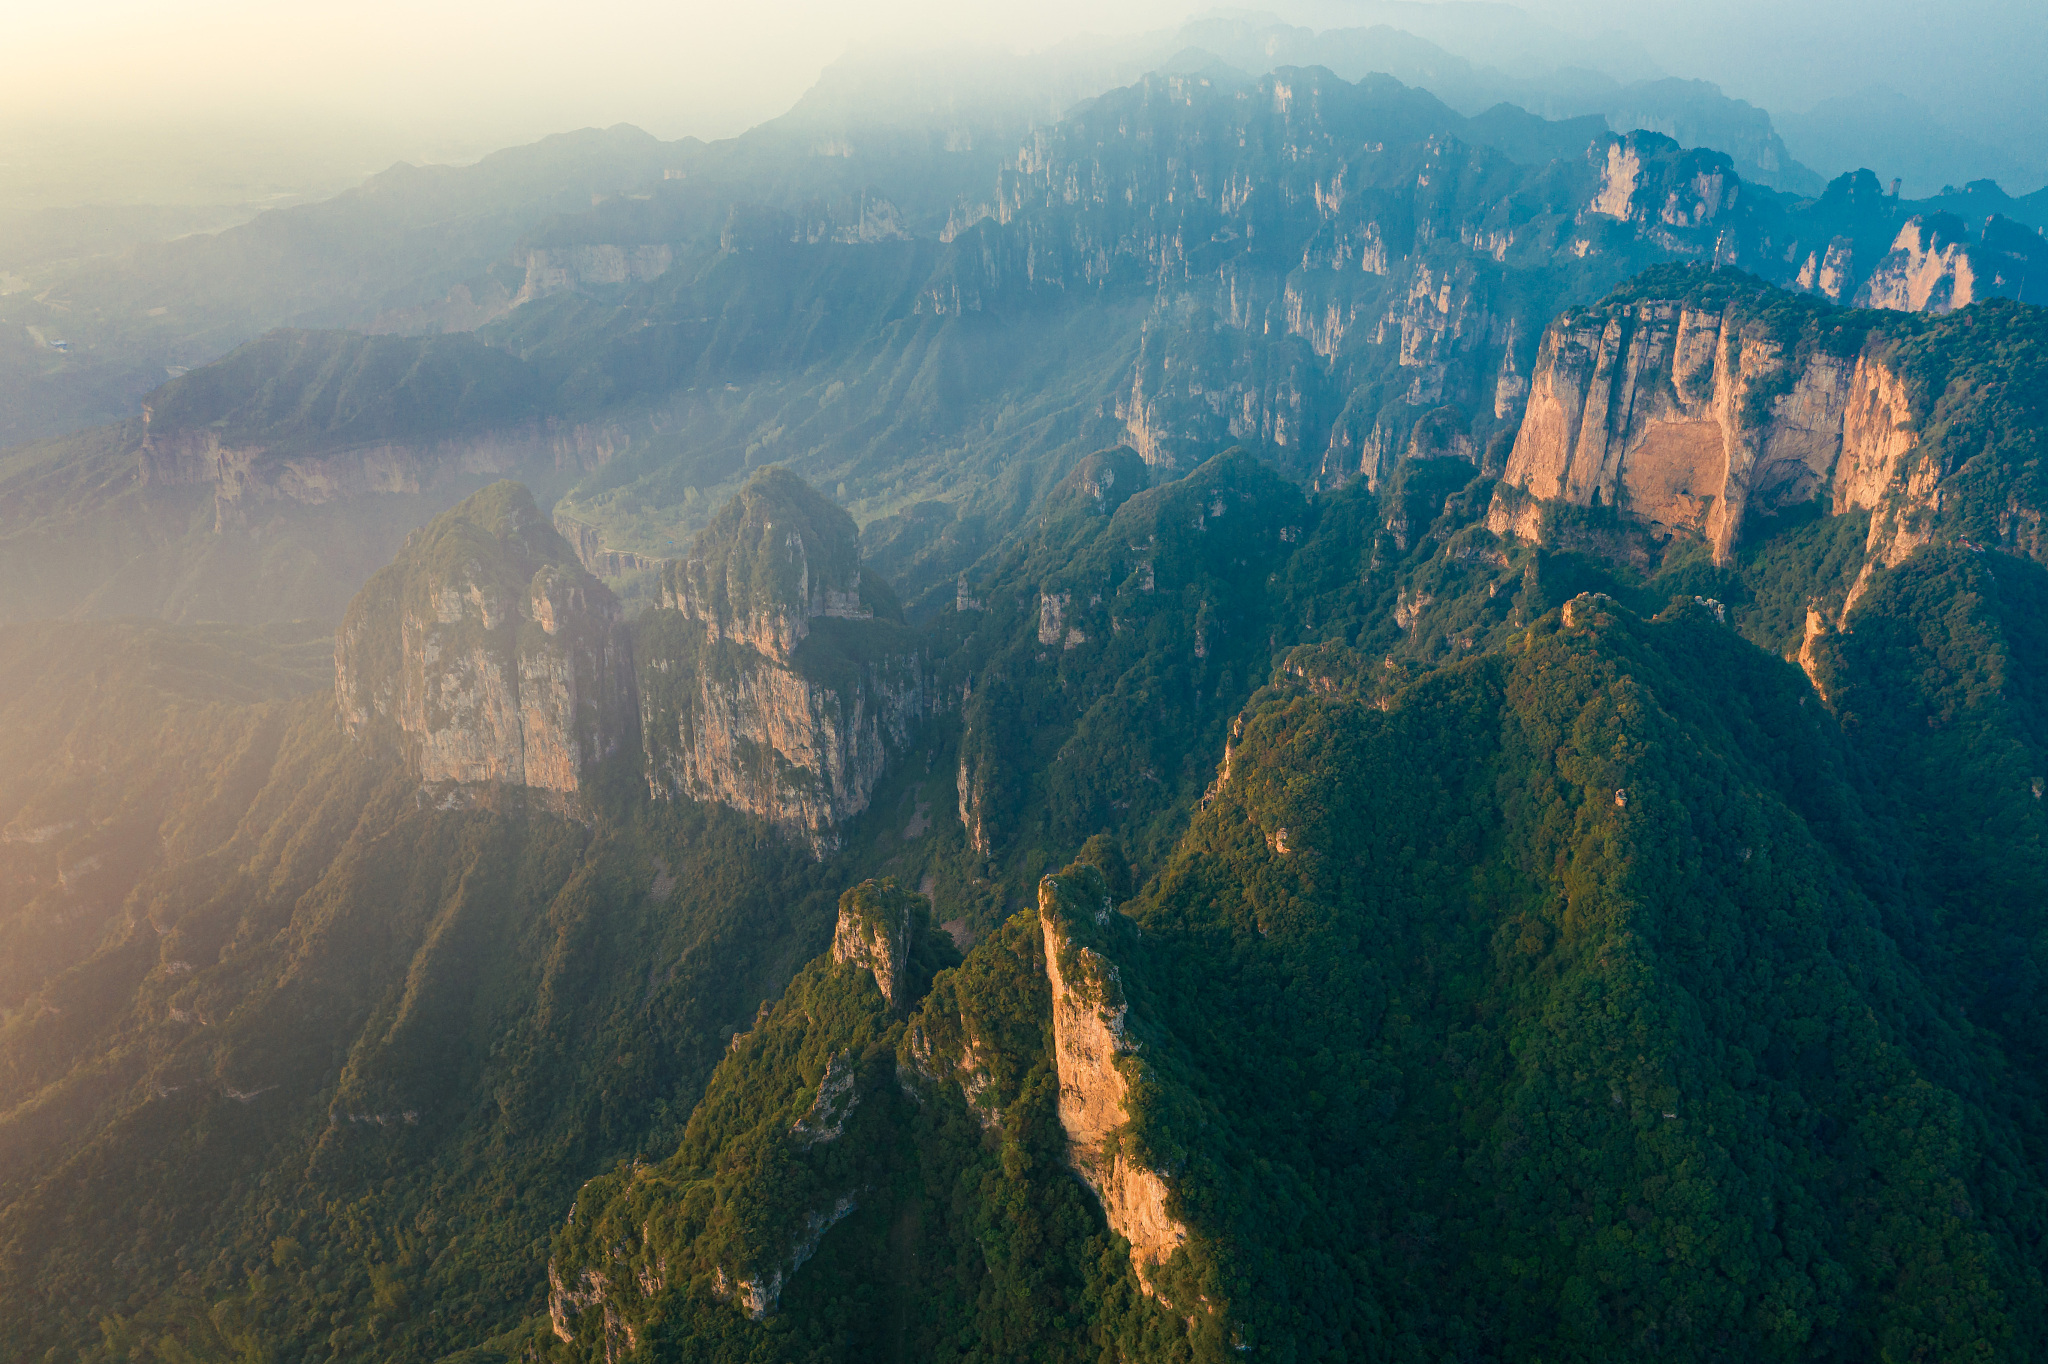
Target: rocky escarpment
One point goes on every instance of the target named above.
(1930, 266)
(311, 418)
(488, 652)
(1693, 412)
(558, 269)
(773, 679)
(1936, 265)
(1098, 1064)
(1326, 261)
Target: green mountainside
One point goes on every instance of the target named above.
(1271, 921)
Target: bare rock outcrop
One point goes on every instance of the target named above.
(1930, 268)
(489, 652)
(770, 682)
(566, 1302)
(838, 1095)
(874, 928)
(1097, 1061)
(1646, 179)
(941, 1049)
(1692, 417)
(972, 783)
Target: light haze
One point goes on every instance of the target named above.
(361, 84)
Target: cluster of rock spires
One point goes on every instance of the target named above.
(1333, 261)
(1309, 240)
(501, 662)
(1337, 274)
(776, 679)
(773, 679)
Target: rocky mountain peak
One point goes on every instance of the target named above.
(775, 558)
(492, 652)
(731, 712)
(874, 933)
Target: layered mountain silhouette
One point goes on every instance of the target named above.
(1327, 273)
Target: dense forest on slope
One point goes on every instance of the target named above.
(1419, 940)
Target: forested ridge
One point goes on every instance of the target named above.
(1509, 952)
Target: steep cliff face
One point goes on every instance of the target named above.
(318, 417)
(1693, 414)
(1325, 257)
(873, 933)
(769, 680)
(489, 651)
(248, 478)
(1097, 1062)
(973, 780)
(727, 725)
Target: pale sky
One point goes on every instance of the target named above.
(509, 70)
(527, 66)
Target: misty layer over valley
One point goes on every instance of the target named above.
(1354, 686)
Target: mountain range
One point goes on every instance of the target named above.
(1297, 262)
(1260, 719)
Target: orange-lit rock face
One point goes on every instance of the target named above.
(1688, 421)
(1922, 273)
(733, 711)
(1091, 1051)
(745, 731)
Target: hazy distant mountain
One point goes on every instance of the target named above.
(404, 235)
(1896, 136)
(934, 305)
(1696, 113)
